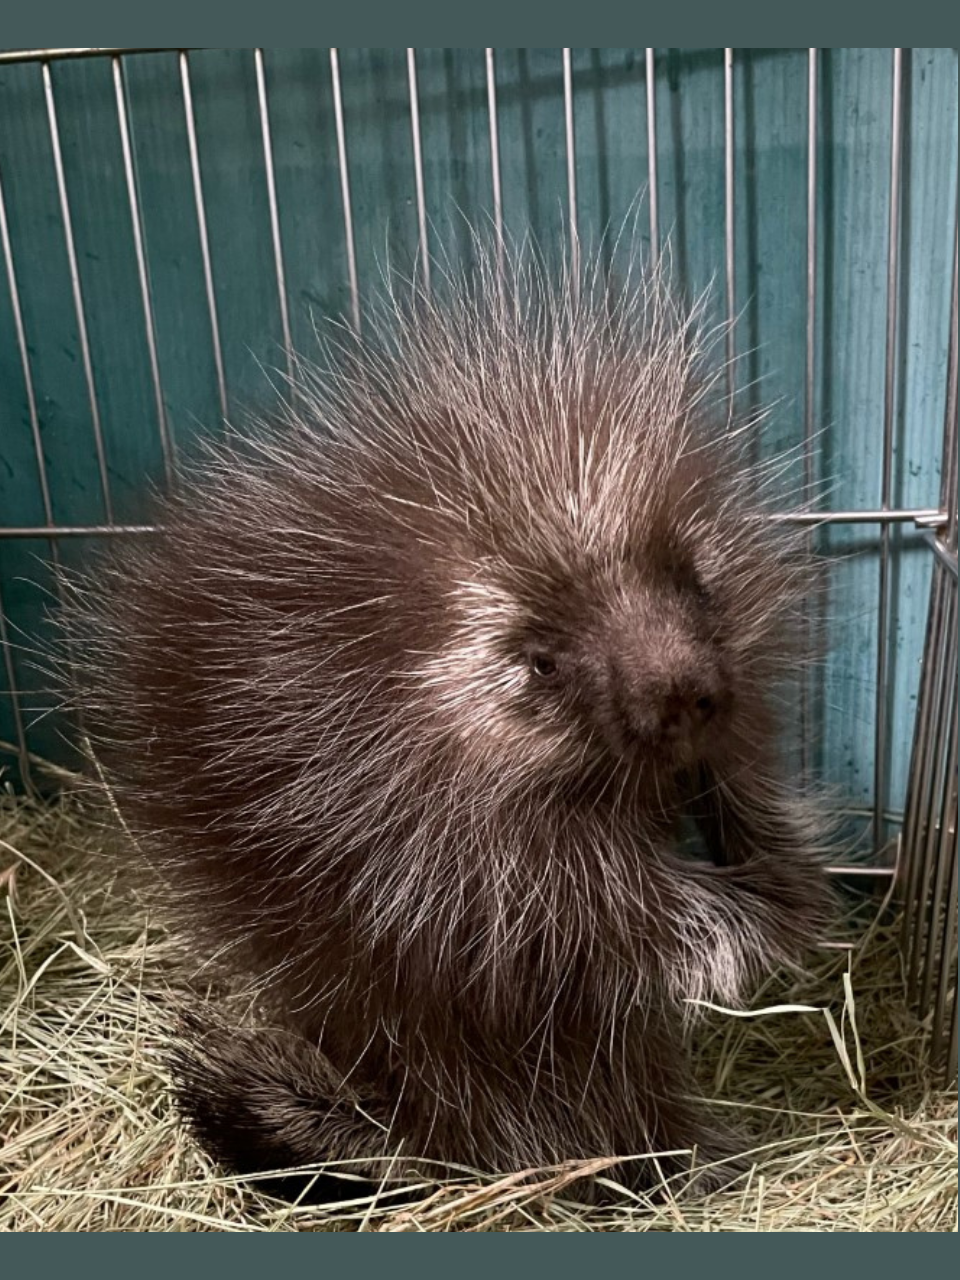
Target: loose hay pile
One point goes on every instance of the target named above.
(851, 1133)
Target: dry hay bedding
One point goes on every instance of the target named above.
(851, 1132)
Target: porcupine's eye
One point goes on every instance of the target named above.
(542, 666)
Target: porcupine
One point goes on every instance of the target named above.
(403, 708)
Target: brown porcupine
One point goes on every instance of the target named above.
(404, 707)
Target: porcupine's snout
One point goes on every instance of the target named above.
(664, 690)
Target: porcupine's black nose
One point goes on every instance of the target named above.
(663, 715)
(661, 687)
(679, 710)
(686, 709)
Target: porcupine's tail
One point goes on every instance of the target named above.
(264, 1100)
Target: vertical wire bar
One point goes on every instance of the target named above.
(921, 756)
(933, 648)
(939, 820)
(345, 189)
(933, 798)
(77, 291)
(424, 250)
(810, 381)
(201, 209)
(571, 171)
(729, 216)
(19, 728)
(948, 815)
(810, 373)
(45, 497)
(948, 489)
(948, 945)
(24, 353)
(274, 207)
(883, 593)
(652, 188)
(490, 58)
(136, 221)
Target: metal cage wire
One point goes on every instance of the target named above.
(927, 865)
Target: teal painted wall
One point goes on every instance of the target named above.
(611, 148)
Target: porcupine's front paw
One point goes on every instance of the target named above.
(736, 923)
(786, 906)
(766, 846)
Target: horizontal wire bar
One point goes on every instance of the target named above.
(857, 869)
(925, 518)
(76, 530)
(61, 55)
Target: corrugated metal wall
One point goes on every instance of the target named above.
(770, 173)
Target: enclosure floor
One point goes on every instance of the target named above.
(850, 1133)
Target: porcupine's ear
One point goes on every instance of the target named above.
(265, 1100)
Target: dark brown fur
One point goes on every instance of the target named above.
(403, 709)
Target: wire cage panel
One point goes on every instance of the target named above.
(928, 861)
(173, 223)
(929, 847)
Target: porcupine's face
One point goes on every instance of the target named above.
(630, 653)
(633, 673)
